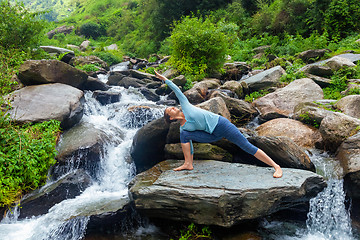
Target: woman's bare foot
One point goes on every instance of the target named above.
(278, 172)
(184, 167)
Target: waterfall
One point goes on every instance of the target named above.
(109, 191)
(328, 218)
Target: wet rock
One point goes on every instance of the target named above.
(349, 155)
(167, 102)
(281, 103)
(350, 105)
(303, 135)
(82, 146)
(265, 79)
(40, 201)
(94, 84)
(138, 116)
(149, 95)
(58, 101)
(34, 72)
(142, 75)
(114, 78)
(337, 127)
(202, 151)
(105, 97)
(131, 82)
(238, 192)
(148, 144)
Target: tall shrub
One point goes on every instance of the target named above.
(342, 18)
(198, 47)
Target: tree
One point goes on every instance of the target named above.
(19, 28)
(199, 47)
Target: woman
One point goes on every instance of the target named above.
(203, 126)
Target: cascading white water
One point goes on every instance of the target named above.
(69, 218)
(328, 218)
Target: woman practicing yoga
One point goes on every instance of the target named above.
(203, 126)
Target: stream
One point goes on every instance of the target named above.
(328, 217)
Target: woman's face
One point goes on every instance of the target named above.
(172, 112)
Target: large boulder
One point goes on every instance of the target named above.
(235, 87)
(197, 93)
(282, 150)
(41, 200)
(41, 103)
(350, 105)
(84, 60)
(310, 113)
(241, 112)
(216, 105)
(57, 50)
(337, 127)
(201, 151)
(312, 54)
(63, 29)
(82, 146)
(281, 103)
(127, 82)
(33, 72)
(336, 63)
(265, 79)
(303, 135)
(318, 70)
(349, 155)
(235, 70)
(148, 144)
(238, 192)
(106, 97)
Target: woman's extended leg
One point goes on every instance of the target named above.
(262, 156)
(229, 131)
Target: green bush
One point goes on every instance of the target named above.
(92, 30)
(342, 18)
(339, 83)
(109, 58)
(88, 67)
(26, 153)
(198, 47)
(18, 27)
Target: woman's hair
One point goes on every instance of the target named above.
(167, 117)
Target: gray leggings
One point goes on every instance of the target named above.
(224, 129)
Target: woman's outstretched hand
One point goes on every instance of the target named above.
(158, 75)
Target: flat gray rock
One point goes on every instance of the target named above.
(220, 193)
